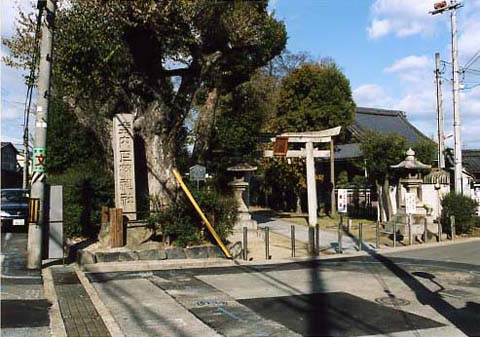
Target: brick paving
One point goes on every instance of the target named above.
(80, 317)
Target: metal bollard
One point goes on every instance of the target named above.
(452, 226)
(394, 234)
(267, 243)
(349, 225)
(340, 234)
(377, 235)
(292, 231)
(439, 231)
(245, 243)
(311, 240)
(425, 231)
(360, 236)
(317, 239)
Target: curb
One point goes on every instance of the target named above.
(57, 327)
(107, 267)
(107, 318)
(426, 245)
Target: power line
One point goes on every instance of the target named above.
(472, 60)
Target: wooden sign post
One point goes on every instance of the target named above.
(116, 227)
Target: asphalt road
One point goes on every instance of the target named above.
(352, 296)
(468, 253)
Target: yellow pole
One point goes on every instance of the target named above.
(199, 211)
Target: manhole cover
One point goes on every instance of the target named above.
(211, 303)
(392, 301)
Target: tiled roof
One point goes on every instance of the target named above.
(384, 122)
(347, 151)
(381, 121)
(471, 161)
(5, 144)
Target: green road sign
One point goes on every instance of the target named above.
(39, 157)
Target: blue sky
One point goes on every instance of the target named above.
(385, 47)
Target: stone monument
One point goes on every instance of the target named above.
(240, 185)
(124, 165)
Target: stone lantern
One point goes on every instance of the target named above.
(411, 171)
(240, 186)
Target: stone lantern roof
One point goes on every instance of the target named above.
(411, 163)
(242, 167)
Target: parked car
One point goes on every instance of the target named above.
(14, 207)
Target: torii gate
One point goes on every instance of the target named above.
(308, 138)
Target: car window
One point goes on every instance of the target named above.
(15, 196)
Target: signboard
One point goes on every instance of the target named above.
(410, 203)
(198, 172)
(39, 156)
(280, 147)
(342, 200)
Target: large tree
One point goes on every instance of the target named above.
(315, 96)
(149, 58)
(380, 152)
(312, 97)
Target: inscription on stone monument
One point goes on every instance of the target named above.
(124, 165)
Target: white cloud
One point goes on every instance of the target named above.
(372, 95)
(409, 63)
(379, 28)
(469, 37)
(401, 18)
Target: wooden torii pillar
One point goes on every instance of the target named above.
(308, 138)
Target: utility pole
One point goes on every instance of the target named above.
(28, 100)
(34, 257)
(441, 7)
(441, 137)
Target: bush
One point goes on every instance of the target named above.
(86, 189)
(182, 223)
(463, 208)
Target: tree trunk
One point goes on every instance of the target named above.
(206, 121)
(160, 162)
(381, 201)
(160, 150)
(388, 199)
(298, 202)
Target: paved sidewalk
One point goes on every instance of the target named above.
(328, 239)
(79, 315)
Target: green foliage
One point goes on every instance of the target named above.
(359, 181)
(181, 221)
(86, 188)
(63, 129)
(425, 151)
(342, 180)
(151, 57)
(75, 161)
(380, 151)
(462, 208)
(242, 114)
(315, 97)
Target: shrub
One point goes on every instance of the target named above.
(182, 223)
(86, 189)
(463, 208)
